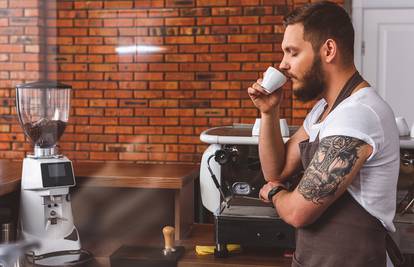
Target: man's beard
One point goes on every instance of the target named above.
(313, 83)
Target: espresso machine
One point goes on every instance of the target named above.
(45, 206)
(230, 181)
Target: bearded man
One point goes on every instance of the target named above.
(348, 146)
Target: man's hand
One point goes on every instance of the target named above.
(264, 101)
(264, 191)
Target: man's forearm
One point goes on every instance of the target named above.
(271, 146)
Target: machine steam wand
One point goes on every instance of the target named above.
(213, 176)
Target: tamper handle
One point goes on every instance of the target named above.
(168, 232)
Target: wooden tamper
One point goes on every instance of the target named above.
(149, 256)
(168, 232)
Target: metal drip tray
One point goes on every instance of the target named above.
(249, 211)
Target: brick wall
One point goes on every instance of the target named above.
(151, 107)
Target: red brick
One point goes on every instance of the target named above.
(148, 76)
(179, 76)
(89, 147)
(119, 112)
(242, 38)
(211, 21)
(133, 121)
(211, 3)
(271, 20)
(179, 21)
(225, 66)
(149, 112)
(163, 67)
(227, 85)
(118, 76)
(118, 94)
(257, 29)
(103, 85)
(193, 85)
(148, 94)
(148, 130)
(173, 112)
(210, 112)
(103, 155)
(211, 94)
(133, 156)
(149, 22)
(245, 112)
(178, 130)
(249, 48)
(153, 13)
(194, 48)
(244, 2)
(102, 32)
(179, 40)
(194, 67)
(189, 139)
(179, 94)
(174, 58)
(102, 138)
(210, 39)
(163, 85)
(133, 67)
(118, 130)
(133, 138)
(163, 139)
(242, 20)
(226, 11)
(103, 67)
(89, 58)
(164, 103)
(225, 48)
(242, 57)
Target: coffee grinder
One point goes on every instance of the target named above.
(45, 206)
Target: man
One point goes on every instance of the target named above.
(348, 146)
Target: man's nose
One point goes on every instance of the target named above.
(283, 64)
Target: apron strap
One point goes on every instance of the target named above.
(393, 251)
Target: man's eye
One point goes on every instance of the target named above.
(294, 54)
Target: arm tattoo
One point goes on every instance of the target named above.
(332, 161)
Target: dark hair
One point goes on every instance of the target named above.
(322, 21)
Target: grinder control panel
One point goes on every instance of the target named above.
(57, 174)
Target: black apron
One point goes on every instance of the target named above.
(345, 234)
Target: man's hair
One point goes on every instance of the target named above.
(322, 21)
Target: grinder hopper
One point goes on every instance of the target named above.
(43, 111)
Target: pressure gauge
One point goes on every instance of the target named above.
(241, 188)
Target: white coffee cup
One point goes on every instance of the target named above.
(273, 80)
(402, 126)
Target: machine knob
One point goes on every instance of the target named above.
(259, 235)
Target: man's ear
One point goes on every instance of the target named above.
(329, 50)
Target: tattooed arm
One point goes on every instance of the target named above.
(333, 167)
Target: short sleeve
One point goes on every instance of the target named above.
(313, 115)
(358, 121)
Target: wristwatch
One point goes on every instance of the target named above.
(274, 191)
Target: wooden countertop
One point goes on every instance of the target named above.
(202, 234)
(127, 175)
(10, 173)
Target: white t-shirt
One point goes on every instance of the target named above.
(366, 116)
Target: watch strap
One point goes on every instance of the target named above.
(272, 192)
